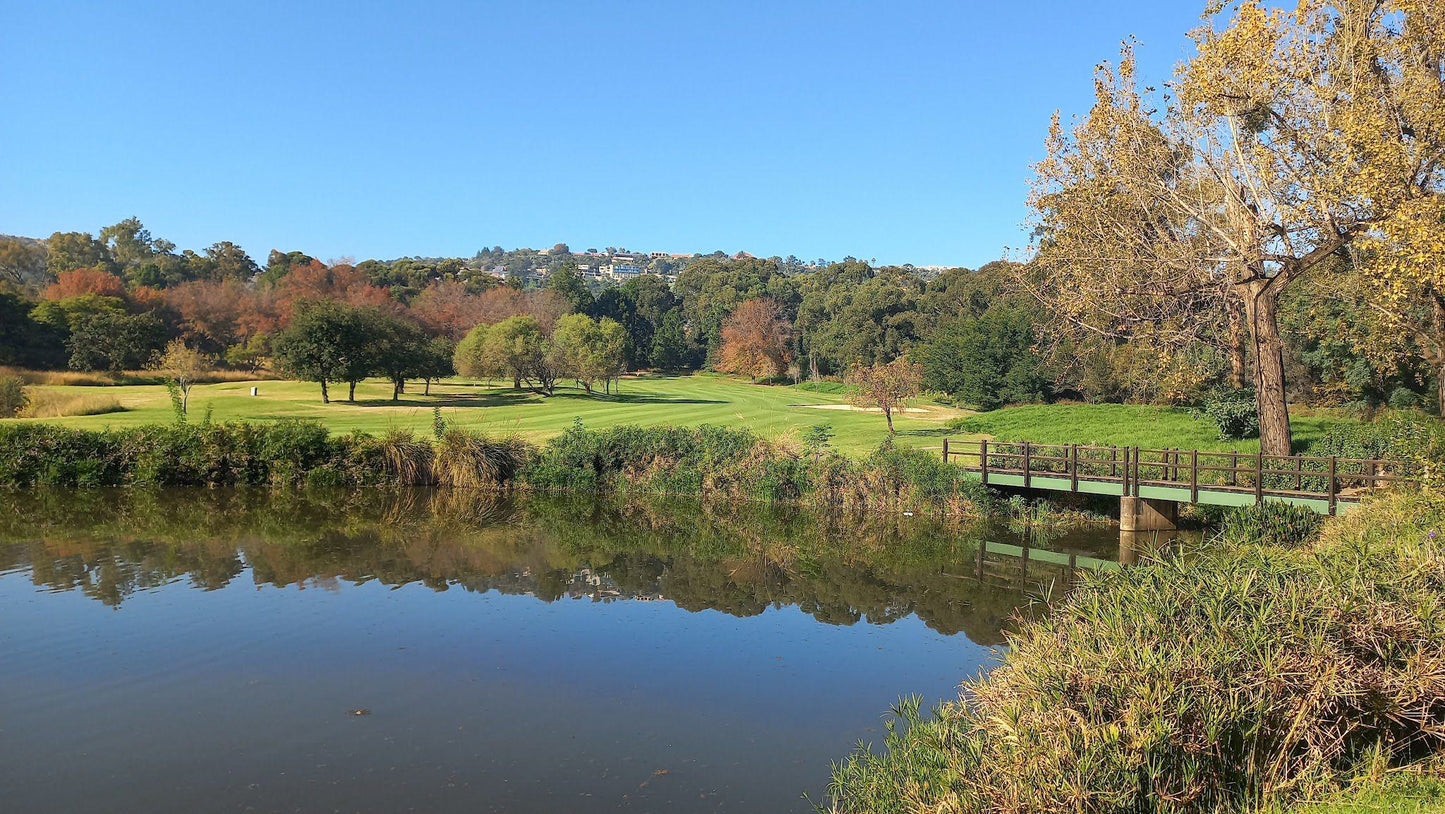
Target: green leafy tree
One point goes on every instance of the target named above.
(987, 361)
(326, 342)
(112, 339)
(67, 251)
(567, 282)
(669, 343)
(401, 351)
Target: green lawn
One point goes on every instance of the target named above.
(1123, 425)
(1400, 793)
(770, 410)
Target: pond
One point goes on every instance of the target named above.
(451, 651)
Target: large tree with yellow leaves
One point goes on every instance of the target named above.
(1289, 137)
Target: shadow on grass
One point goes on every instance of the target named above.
(516, 397)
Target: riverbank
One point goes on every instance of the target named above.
(706, 461)
(1241, 677)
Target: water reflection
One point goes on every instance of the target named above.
(838, 568)
(204, 650)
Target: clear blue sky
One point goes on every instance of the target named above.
(900, 130)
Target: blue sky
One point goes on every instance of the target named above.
(901, 131)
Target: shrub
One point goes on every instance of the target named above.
(1237, 677)
(1234, 412)
(1273, 524)
(13, 396)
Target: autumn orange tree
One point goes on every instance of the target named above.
(755, 340)
(888, 388)
(1290, 137)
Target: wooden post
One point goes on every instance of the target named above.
(1134, 477)
(1332, 484)
(1299, 478)
(1074, 467)
(1026, 465)
(1113, 462)
(1259, 477)
(1125, 479)
(1233, 468)
(983, 460)
(945, 450)
(1194, 476)
(1370, 474)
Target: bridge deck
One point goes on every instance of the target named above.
(1323, 484)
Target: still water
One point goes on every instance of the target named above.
(440, 651)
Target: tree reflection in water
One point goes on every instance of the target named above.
(739, 559)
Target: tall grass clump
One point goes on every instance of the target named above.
(474, 461)
(1222, 681)
(1274, 524)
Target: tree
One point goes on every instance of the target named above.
(182, 366)
(568, 283)
(986, 361)
(669, 343)
(886, 387)
(1294, 137)
(518, 348)
(81, 281)
(21, 261)
(325, 342)
(588, 349)
(66, 251)
(250, 354)
(109, 338)
(401, 350)
(755, 341)
(436, 361)
(470, 359)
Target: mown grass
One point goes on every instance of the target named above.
(1126, 425)
(775, 412)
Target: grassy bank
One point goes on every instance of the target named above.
(1237, 678)
(704, 461)
(778, 412)
(1129, 425)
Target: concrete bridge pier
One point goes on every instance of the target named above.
(1147, 514)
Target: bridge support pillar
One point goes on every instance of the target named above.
(1147, 514)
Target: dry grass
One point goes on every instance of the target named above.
(102, 378)
(57, 404)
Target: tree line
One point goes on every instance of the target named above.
(1269, 227)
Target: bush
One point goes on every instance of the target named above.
(13, 396)
(1238, 677)
(1234, 412)
(1273, 524)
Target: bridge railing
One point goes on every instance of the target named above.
(1328, 478)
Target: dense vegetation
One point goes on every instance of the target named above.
(980, 337)
(705, 460)
(1237, 676)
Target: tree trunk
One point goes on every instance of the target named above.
(516, 383)
(1261, 311)
(395, 390)
(325, 396)
(888, 416)
(351, 394)
(427, 391)
(185, 399)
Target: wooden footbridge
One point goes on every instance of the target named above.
(1152, 482)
